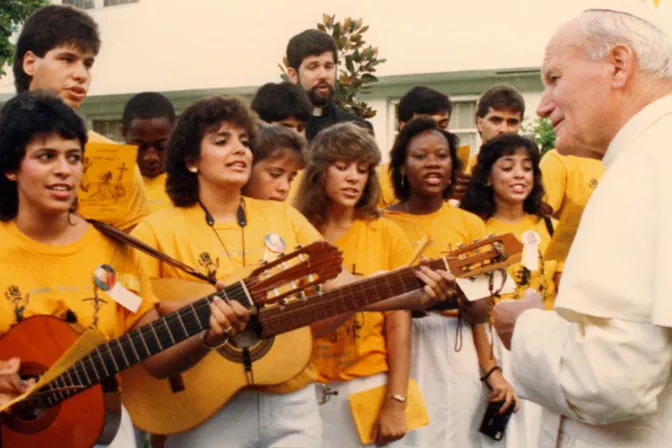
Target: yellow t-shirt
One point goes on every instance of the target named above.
(541, 280)
(473, 160)
(357, 348)
(447, 227)
(184, 234)
(569, 179)
(137, 206)
(387, 196)
(40, 279)
(157, 198)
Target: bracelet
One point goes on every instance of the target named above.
(398, 397)
(205, 344)
(487, 375)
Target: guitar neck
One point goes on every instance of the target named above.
(351, 297)
(135, 346)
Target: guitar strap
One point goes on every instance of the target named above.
(121, 237)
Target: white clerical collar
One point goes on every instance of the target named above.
(639, 123)
(317, 111)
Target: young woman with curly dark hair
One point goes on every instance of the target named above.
(506, 191)
(213, 228)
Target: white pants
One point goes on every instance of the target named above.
(338, 425)
(258, 419)
(524, 426)
(449, 382)
(125, 437)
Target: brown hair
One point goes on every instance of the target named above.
(342, 141)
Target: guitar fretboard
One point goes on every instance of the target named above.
(351, 297)
(135, 346)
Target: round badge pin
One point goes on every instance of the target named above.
(104, 277)
(275, 243)
(531, 238)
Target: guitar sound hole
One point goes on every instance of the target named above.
(30, 409)
(248, 339)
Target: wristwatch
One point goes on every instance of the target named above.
(400, 398)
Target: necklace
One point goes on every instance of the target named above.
(242, 222)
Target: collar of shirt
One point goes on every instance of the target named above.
(639, 123)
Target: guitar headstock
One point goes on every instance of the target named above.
(481, 256)
(290, 274)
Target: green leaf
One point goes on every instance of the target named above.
(369, 78)
(348, 63)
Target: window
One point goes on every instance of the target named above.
(462, 121)
(118, 2)
(97, 4)
(109, 128)
(83, 4)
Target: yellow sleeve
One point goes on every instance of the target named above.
(150, 266)
(475, 227)
(387, 196)
(138, 207)
(303, 229)
(554, 179)
(473, 160)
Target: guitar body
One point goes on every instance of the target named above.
(166, 407)
(90, 417)
(174, 405)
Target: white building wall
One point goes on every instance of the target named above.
(173, 45)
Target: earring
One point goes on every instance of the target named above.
(11, 177)
(193, 169)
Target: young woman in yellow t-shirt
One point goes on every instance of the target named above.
(423, 167)
(213, 228)
(49, 254)
(338, 195)
(506, 192)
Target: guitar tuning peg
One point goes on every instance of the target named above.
(301, 295)
(318, 289)
(282, 303)
(492, 235)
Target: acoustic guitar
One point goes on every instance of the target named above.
(277, 345)
(81, 407)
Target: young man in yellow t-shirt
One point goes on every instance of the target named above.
(147, 122)
(569, 180)
(62, 63)
(418, 101)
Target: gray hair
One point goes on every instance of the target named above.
(604, 29)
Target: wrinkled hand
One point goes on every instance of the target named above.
(506, 313)
(476, 312)
(502, 391)
(227, 319)
(391, 423)
(11, 384)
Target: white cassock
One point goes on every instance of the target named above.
(602, 358)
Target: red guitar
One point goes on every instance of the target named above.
(82, 407)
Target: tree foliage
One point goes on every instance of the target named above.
(357, 63)
(541, 131)
(12, 14)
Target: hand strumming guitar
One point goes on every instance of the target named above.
(227, 319)
(11, 384)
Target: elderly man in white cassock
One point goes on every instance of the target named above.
(600, 362)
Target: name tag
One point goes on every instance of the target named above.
(105, 278)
